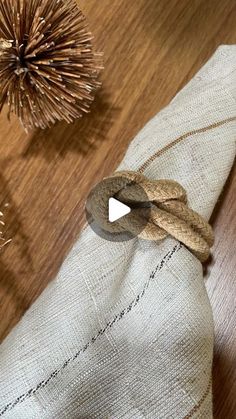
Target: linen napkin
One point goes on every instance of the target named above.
(126, 329)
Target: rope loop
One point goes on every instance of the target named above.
(169, 212)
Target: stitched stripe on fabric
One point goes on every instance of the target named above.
(147, 163)
(199, 404)
(101, 332)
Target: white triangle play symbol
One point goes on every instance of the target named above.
(116, 210)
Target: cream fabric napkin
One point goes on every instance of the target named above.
(126, 329)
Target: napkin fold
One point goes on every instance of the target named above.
(126, 328)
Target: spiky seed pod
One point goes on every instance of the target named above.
(48, 69)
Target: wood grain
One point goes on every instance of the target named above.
(152, 48)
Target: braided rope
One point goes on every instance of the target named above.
(169, 213)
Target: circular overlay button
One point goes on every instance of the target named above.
(117, 208)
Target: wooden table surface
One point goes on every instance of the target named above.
(152, 48)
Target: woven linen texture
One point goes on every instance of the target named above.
(126, 329)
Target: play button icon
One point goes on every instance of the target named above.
(112, 211)
(117, 209)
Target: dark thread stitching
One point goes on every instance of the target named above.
(201, 401)
(117, 318)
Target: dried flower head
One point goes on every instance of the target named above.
(48, 69)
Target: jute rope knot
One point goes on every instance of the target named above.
(169, 213)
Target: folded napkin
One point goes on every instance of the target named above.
(126, 329)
